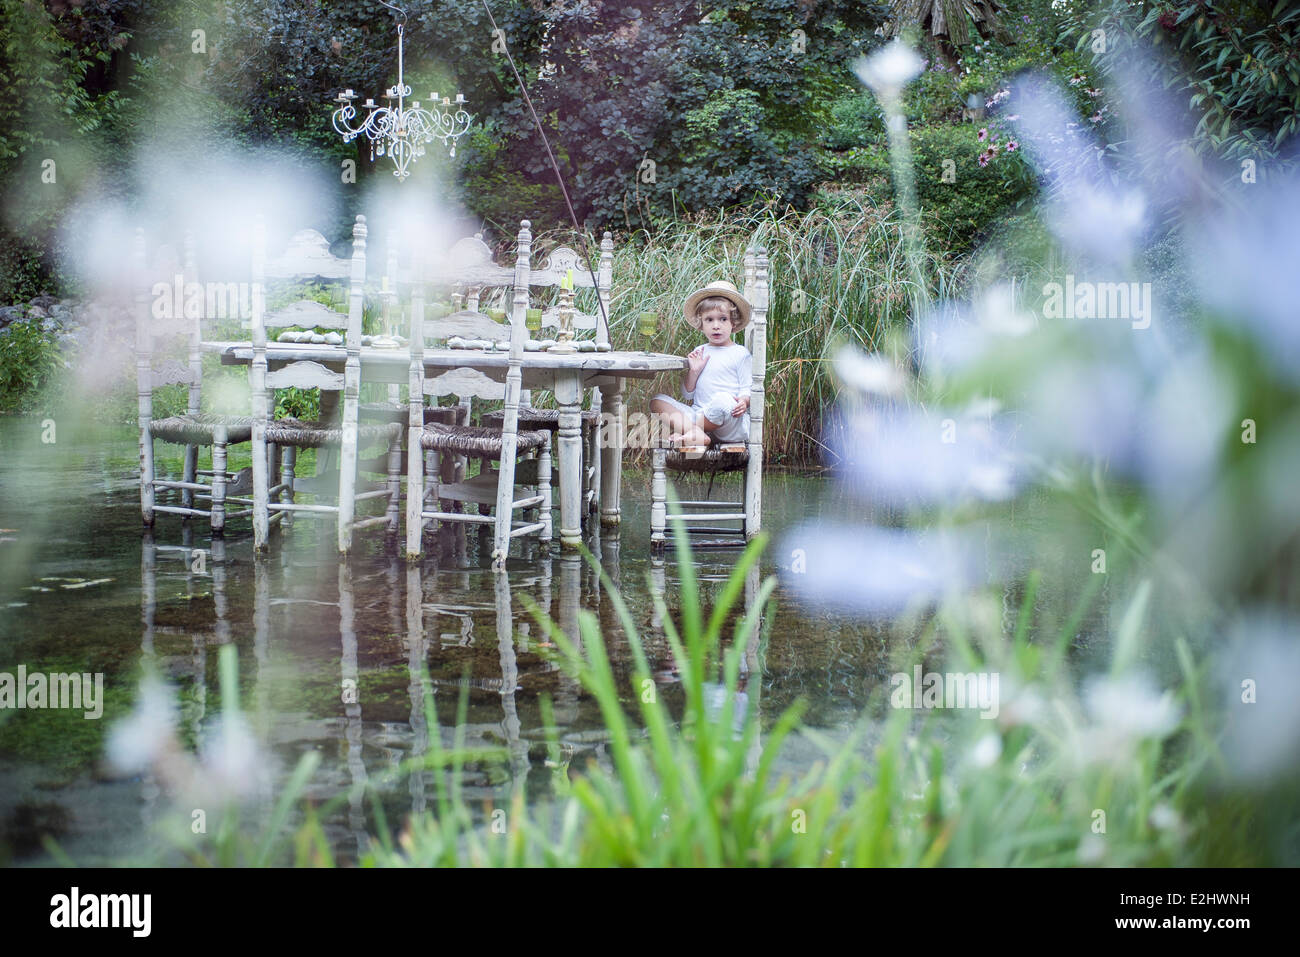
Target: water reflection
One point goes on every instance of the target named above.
(333, 657)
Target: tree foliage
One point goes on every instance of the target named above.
(1236, 64)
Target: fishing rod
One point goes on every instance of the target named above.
(582, 240)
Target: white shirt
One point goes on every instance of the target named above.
(727, 375)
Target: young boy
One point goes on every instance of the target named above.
(718, 377)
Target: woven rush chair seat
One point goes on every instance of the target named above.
(314, 435)
(383, 412)
(199, 428)
(477, 441)
(548, 419)
(713, 459)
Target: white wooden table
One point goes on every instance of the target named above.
(567, 375)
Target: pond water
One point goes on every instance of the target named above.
(331, 653)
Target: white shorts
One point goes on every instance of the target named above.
(731, 428)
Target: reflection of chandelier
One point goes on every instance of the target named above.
(401, 133)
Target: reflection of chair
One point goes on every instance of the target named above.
(308, 257)
(716, 459)
(506, 446)
(194, 427)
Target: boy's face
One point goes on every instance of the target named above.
(715, 323)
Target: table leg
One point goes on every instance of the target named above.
(568, 395)
(611, 451)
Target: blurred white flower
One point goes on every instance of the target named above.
(1165, 818)
(987, 750)
(1124, 710)
(868, 373)
(1092, 848)
(231, 760)
(889, 69)
(147, 734)
(1020, 705)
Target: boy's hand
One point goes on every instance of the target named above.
(741, 407)
(696, 361)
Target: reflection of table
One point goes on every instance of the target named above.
(565, 375)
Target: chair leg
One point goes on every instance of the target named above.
(416, 465)
(146, 476)
(276, 453)
(394, 484)
(288, 464)
(218, 515)
(191, 472)
(754, 492)
(261, 489)
(658, 496)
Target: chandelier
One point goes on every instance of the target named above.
(401, 132)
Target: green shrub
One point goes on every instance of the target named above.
(856, 120)
(958, 212)
(29, 359)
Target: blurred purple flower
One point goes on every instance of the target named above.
(899, 456)
(1259, 675)
(1244, 264)
(877, 571)
(1086, 211)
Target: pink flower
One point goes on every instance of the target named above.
(1012, 146)
(984, 158)
(984, 134)
(1096, 118)
(1077, 79)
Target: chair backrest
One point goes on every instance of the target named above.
(307, 257)
(558, 265)
(469, 269)
(468, 325)
(166, 317)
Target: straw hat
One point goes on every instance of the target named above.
(719, 288)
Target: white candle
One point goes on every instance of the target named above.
(460, 97)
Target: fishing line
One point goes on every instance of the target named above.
(582, 241)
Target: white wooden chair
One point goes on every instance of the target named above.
(506, 445)
(748, 511)
(552, 274)
(156, 334)
(308, 256)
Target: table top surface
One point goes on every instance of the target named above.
(241, 352)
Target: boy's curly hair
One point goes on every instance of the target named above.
(711, 302)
